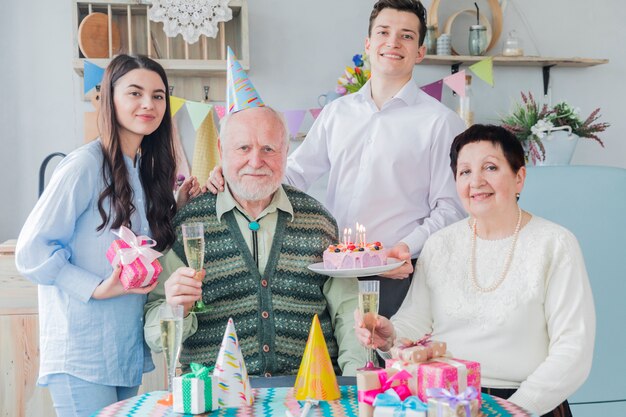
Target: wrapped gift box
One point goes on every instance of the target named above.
(140, 267)
(418, 351)
(389, 404)
(371, 383)
(441, 372)
(447, 373)
(194, 393)
(444, 403)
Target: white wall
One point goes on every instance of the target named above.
(298, 49)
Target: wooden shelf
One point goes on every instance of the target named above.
(203, 59)
(517, 61)
(175, 67)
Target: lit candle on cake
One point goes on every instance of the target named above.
(349, 236)
(345, 236)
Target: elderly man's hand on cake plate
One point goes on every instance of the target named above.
(401, 252)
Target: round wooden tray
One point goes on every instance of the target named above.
(93, 36)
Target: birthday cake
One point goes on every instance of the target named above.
(352, 256)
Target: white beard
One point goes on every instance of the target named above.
(252, 190)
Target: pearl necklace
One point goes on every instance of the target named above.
(507, 264)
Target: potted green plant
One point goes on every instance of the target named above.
(550, 134)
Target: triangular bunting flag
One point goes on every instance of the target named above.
(434, 89)
(93, 75)
(294, 120)
(456, 82)
(197, 112)
(205, 152)
(220, 110)
(240, 93)
(230, 370)
(316, 378)
(484, 70)
(175, 104)
(315, 112)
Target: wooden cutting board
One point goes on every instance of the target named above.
(93, 36)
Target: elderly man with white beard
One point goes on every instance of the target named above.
(260, 236)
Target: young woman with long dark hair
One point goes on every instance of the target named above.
(91, 329)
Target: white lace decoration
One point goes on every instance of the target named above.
(190, 18)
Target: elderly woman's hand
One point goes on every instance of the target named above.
(383, 333)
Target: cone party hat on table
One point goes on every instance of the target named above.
(240, 93)
(233, 385)
(316, 377)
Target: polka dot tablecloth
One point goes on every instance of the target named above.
(273, 402)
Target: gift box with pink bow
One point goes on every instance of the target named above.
(374, 382)
(140, 266)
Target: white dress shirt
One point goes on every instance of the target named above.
(389, 169)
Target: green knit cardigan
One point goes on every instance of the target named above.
(288, 291)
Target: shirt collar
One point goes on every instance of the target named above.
(226, 202)
(408, 93)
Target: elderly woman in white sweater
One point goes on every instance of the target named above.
(503, 287)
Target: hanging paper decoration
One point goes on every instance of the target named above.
(434, 89)
(175, 104)
(484, 70)
(93, 76)
(220, 110)
(190, 18)
(294, 120)
(456, 82)
(205, 152)
(315, 112)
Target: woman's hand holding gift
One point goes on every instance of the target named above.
(112, 287)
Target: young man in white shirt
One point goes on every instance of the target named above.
(385, 149)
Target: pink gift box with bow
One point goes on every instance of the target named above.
(448, 373)
(140, 267)
(441, 372)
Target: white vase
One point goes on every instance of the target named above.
(560, 146)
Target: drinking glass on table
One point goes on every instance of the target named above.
(368, 306)
(171, 319)
(193, 241)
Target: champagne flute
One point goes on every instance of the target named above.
(368, 306)
(171, 318)
(193, 241)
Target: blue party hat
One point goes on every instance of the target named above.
(240, 93)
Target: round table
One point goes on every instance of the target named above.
(273, 402)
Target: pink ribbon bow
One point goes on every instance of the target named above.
(402, 390)
(424, 341)
(139, 246)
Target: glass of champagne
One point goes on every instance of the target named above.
(368, 306)
(193, 241)
(171, 318)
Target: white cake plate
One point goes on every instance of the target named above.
(392, 263)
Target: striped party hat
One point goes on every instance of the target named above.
(240, 93)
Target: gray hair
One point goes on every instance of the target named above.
(224, 123)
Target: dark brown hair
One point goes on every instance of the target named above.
(411, 6)
(499, 136)
(157, 166)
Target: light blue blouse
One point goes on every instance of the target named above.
(100, 341)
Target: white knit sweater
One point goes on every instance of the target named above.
(535, 332)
